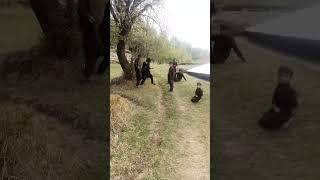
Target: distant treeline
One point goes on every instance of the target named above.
(145, 40)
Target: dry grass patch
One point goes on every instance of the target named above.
(131, 145)
(121, 112)
(33, 146)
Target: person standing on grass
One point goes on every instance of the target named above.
(137, 69)
(170, 64)
(224, 42)
(284, 102)
(145, 71)
(172, 75)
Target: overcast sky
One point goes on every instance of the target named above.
(189, 21)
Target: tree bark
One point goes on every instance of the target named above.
(60, 26)
(121, 53)
(103, 31)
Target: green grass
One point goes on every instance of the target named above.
(136, 142)
(116, 71)
(19, 29)
(156, 117)
(242, 93)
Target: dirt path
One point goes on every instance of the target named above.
(161, 119)
(191, 157)
(191, 136)
(157, 126)
(192, 142)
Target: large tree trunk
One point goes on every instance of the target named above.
(104, 33)
(121, 53)
(60, 26)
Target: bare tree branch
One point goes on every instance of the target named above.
(125, 13)
(153, 19)
(144, 9)
(135, 4)
(118, 7)
(114, 14)
(128, 4)
(120, 10)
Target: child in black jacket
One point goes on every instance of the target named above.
(198, 94)
(283, 103)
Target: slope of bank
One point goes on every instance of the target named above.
(157, 134)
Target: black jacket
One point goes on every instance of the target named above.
(285, 98)
(136, 64)
(223, 44)
(145, 70)
(171, 74)
(179, 76)
(199, 92)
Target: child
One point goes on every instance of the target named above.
(145, 71)
(170, 65)
(198, 94)
(179, 76)
(172, 75)
(283, 103)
